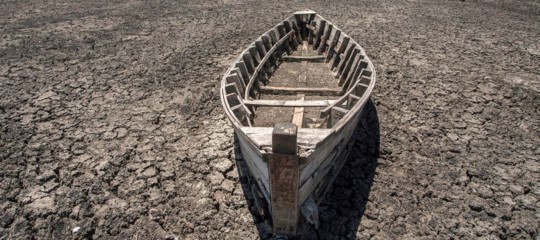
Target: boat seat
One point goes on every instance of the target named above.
(289, 103)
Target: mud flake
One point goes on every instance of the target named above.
(42, 204)
(452, 136)
(49, 186)
(117, 203)
(222, 164)
(137, 185)
(216, 178)
(121, 132)
(47, 94)
(228, 185)
(26, 119)
(149, 172)
(109, 135)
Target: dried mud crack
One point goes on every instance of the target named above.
(111, 127)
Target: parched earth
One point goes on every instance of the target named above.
(111, 127)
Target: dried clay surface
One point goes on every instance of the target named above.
(111, 125)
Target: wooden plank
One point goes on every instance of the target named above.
(301, 26)
(298, 116)
(302, 77)
(367, 74)
(304, 12)
(303, 58)
(311, 34)
(260, 66)
(341, 49)
(242, 114)
(308, 185)
(331, 148)
(268, 45)
(351, 100)
(284, 166)
(243, 71)
(243, 80)
(330, 177)
(332, 45)
(329, 169)
(307, 137)
(232, 98)
(298, 35)
(254, 160)
(289, 103)
(278, 53)
(288, 28)
(360, 89)
(262, 51)
(284, 35)
(307, 90)
(236, 70)
(355, 70)
(325, 36)
(318, 35)
(248, 62)
(231, 88)
(255, 55)
(336, 114)
(354, 77)
(345, 58)
(352, 60)
(233, 78)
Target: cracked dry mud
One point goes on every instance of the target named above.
(111, 127)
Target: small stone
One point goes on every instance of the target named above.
(76, 229)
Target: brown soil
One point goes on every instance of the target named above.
(111, 125)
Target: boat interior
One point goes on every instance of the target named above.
(304, 70)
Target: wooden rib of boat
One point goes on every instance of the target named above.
(294, 98)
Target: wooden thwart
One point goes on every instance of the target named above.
(307, 90)
(304, 58)
(289, 103)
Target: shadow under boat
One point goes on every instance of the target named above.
(341, 210)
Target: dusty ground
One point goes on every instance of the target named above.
(110, 120)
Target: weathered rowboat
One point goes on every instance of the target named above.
(294, 97)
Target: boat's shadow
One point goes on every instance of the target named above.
(343, 207)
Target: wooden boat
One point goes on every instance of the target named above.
(294, 97)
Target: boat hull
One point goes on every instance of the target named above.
(289, 167)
